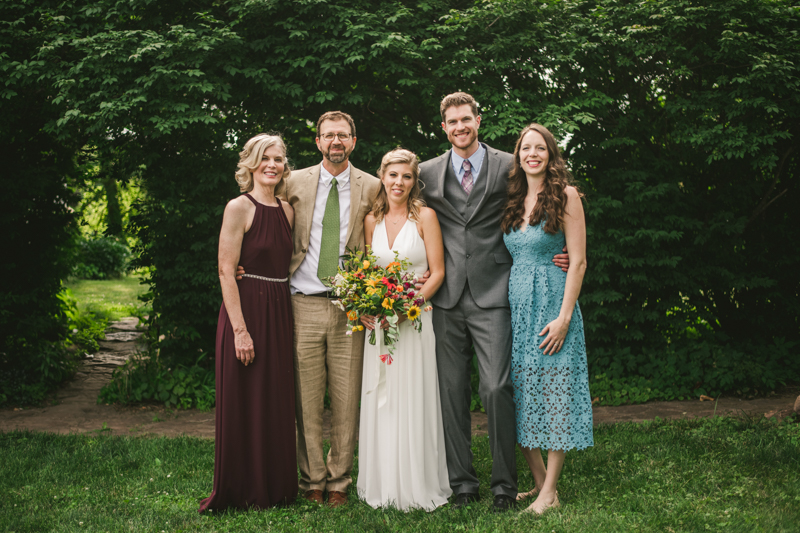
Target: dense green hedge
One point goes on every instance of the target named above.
(37, 228)
(680, 119)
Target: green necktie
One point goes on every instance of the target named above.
(329, 248)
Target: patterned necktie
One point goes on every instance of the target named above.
(466, 181)
(329, 248)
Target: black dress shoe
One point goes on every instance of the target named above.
(464, 499)
(503, 503)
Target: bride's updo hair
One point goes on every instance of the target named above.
(415, 202)
(250, 158)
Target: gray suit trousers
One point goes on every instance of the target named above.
(489, 331)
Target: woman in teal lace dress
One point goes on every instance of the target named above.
(548, 365)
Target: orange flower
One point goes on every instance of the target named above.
(393, 267)
(352, 315)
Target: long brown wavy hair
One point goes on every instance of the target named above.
(415, 202)
(551, 202)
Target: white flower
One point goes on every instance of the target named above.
(339, 305)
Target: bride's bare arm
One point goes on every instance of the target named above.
(369, 230)
(431, 233)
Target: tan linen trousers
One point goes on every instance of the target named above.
(323, 354)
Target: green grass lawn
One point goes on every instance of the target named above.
(111, 299)
(721, 474)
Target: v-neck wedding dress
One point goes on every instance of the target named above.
(401, 457)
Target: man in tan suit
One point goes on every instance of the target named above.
(330, 201)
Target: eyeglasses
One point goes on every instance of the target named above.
(330, 136)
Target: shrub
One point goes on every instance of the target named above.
(145, 379)
(85, 328)
(101, 258)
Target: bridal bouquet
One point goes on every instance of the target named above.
(364, 288)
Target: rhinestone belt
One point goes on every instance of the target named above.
(265, 279)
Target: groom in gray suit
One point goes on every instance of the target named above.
(466, 186)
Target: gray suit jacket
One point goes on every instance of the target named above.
(473, 248)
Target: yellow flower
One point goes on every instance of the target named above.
(372, 282)
(387, 303)
(355, 328)
(413, 312)
(360, 328)
(366, 264)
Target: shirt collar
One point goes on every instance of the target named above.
(475, 160)
(326, 177)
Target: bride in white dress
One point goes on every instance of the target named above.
(401, 458)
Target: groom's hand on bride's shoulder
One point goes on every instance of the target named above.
(421, 281)
(561, 260)
(240, 272)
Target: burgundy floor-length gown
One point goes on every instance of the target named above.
(255, 461)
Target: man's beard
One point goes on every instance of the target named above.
(340, 157)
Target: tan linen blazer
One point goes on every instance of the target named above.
(301, 193)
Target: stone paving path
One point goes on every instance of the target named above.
(75, 408)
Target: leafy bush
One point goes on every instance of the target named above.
(101, 258)
(29, 370)
(145, 379)
(86, 329)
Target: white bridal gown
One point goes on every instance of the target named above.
(401, 458)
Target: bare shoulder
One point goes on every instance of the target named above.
(239, 206)
(572, 193)
(370, 220)
(427, 215)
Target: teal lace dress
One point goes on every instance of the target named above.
(551, 392)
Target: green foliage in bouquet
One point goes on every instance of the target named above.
(366, 289)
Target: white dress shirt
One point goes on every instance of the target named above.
(476, 160)
(305, 278)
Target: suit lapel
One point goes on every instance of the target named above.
(441, 176)
(356, 184)
(493, 169)
(308, 187)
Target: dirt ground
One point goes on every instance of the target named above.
(75, 409)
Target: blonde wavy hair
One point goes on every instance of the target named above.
(415, 202)
(250, 158)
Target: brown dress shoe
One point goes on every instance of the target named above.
(313, 496)
(336, 499)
